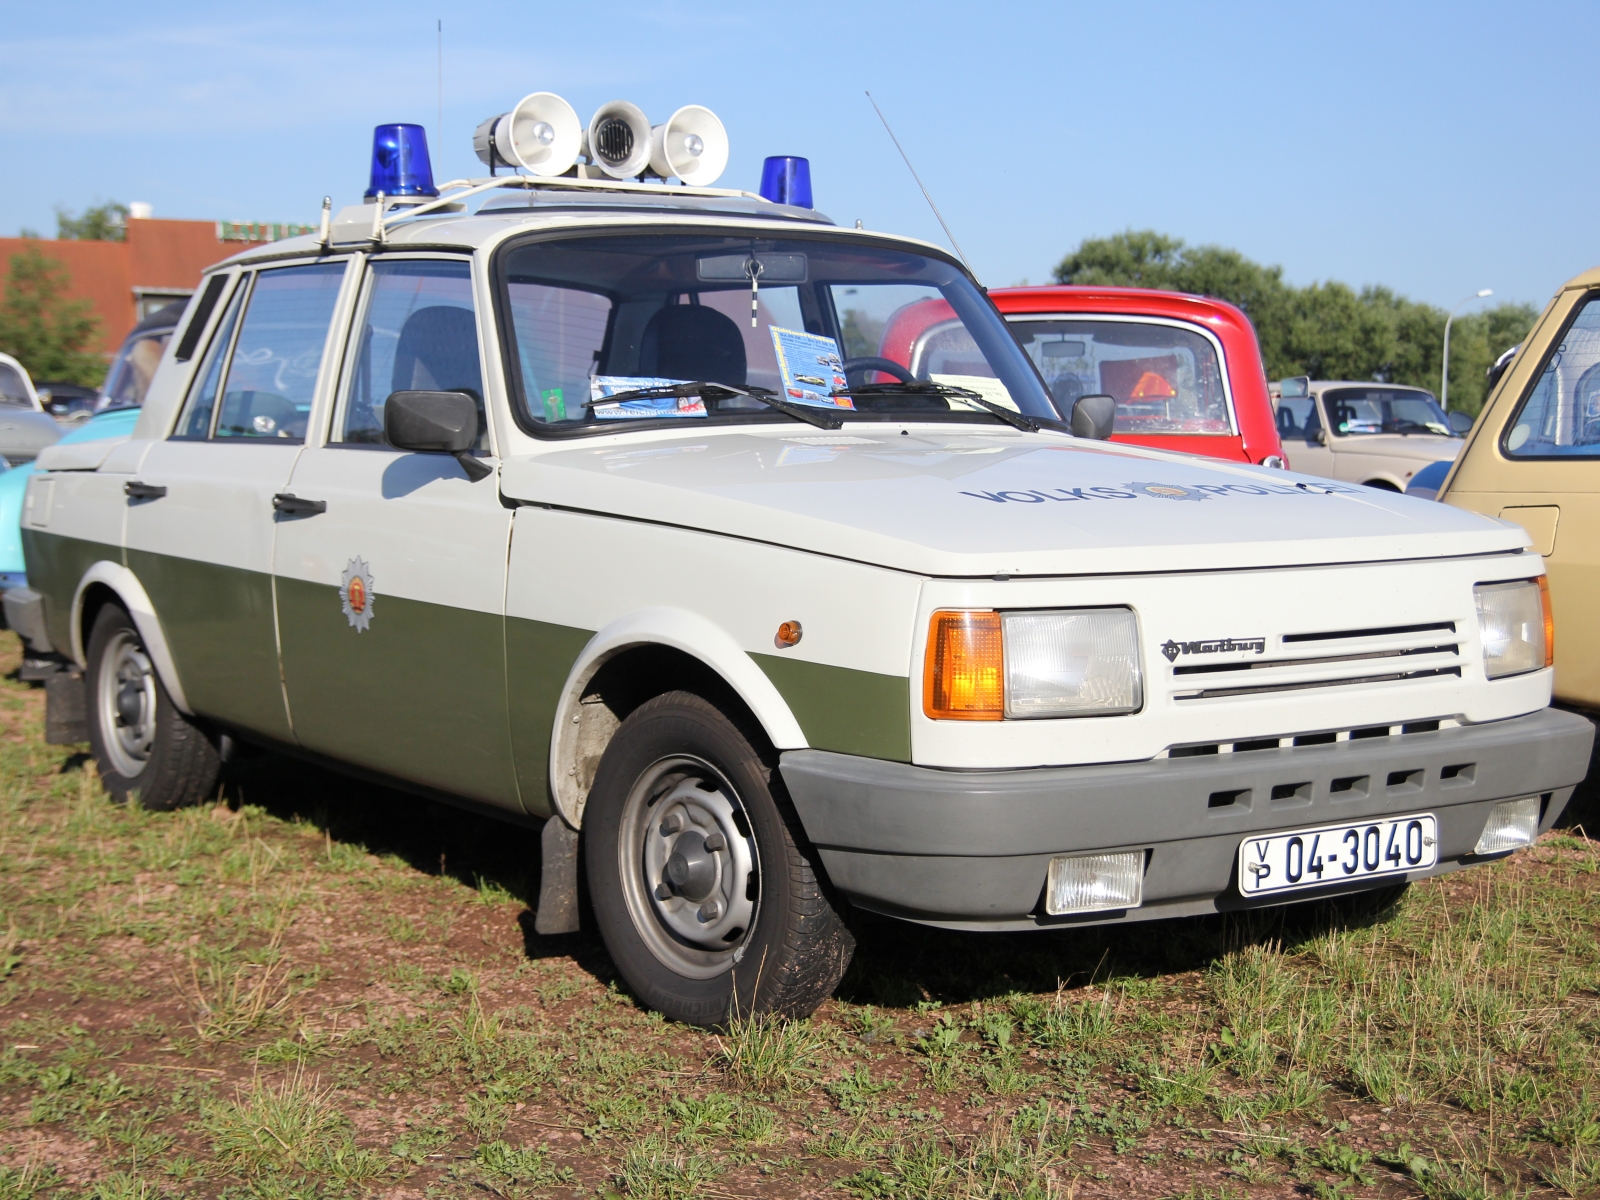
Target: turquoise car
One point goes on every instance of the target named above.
(118, 423)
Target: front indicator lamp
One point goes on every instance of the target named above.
(1094, 883)
(1512, 824)
(963, 677)
(1515, 626)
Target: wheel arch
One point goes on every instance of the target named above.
(636, 658)
(109, 582)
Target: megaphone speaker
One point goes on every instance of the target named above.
(692, 145)
(541, 134)
(618, 141)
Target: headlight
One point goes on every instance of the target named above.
(1081, 662)
(1514, 626)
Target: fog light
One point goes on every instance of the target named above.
(1512, 824)
(1095, 882)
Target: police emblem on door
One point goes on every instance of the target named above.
(355, 591)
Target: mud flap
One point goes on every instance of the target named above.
(558, 879)
(66, 708)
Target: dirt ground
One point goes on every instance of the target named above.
(321, 988)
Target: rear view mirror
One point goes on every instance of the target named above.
(1460, 423)
(435, 423)
(1093, 417)
(1296, 387)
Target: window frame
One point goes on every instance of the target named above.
(243, 285)
(504, 328)
(1018, 318)
(1551, 349)
(350, 352)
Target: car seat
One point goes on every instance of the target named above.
(693, 342)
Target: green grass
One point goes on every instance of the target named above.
(321, 988)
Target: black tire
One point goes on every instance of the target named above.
(677, 774)
(145, 748)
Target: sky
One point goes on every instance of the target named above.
(1426, 147)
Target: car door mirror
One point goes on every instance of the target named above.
(1318, 435)
(1093, 417)
(435, 423)
(1460, 423)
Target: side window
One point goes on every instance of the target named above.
(202, 402)
(271, 377)
(418, 332)
(1560, 415)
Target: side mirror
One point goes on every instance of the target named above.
(1319, 435)
(435, 423)
(1093, 417)
(1460, 423)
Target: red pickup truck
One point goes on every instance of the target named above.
(1184, 370)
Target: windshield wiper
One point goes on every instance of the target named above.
(717, 391)
(926, 387)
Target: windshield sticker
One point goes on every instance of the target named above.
(987, 386)
(601, 386)
(1172, 649)
(810, 367)
(1164, 491)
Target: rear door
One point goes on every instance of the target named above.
(200, 515)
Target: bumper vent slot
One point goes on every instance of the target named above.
(1321, 737)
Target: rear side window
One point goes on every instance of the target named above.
(262, 385)
(1560, 415)
(12, 389)
(1164, 378)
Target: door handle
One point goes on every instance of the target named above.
(295, 507)
(135, 490)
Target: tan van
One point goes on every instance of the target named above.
(1534, 458)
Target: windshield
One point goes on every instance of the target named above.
(846, 327)
(1164, 378)
(128, 378)
(1354, 411)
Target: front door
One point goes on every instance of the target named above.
(200, 511)
(391, 576)
(1304, 436)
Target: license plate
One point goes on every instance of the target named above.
(1307, 858)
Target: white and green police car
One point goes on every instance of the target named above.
(749, 555)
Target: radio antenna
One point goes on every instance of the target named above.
(920, 184)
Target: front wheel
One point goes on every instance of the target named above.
(145, 748)
(700, 876)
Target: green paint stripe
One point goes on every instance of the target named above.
(539, 657)
(55, 564)
(841, 709)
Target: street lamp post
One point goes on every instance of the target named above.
(1444, 381)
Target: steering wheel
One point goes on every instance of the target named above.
(887, 365)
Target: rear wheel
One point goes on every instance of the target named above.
(700, 876)
(145, 748)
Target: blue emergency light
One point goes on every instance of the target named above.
(400, 165)
(784, 180)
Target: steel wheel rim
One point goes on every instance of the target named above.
(127, 704)
(692, 899)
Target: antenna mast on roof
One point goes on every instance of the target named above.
(920, 184)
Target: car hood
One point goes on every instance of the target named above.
(974, 502)
(1420, 446)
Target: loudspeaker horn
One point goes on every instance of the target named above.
(541, 134)
(692, 145)
(618, 140)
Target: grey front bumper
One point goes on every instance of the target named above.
(970, 849)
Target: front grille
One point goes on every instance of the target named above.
(1320, 737)
(1400, 653)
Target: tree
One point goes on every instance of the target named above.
(1325, 330)
(47, 333)
(102, 223)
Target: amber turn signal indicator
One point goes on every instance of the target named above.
(788, 634)
(963, 676)
(1549, 622)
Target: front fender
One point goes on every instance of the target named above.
(132, 594)
(573, 749)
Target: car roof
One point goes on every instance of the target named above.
(1324, 384)
(540, 209)
(1130, 301)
